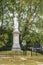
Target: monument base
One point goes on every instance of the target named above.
(16, 45)
(16, 49)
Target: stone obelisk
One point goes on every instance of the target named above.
(16, 45)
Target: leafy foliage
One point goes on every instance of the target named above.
(30, 17)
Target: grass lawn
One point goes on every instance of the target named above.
(17, 58)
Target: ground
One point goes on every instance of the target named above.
(17, 58)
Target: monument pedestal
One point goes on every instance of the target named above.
(16, 45)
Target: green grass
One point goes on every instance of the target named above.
(17, 58)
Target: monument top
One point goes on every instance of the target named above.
(16, 14)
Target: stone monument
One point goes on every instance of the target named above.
(16, 45)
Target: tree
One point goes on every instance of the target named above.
(6, 20)
(31, 20)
